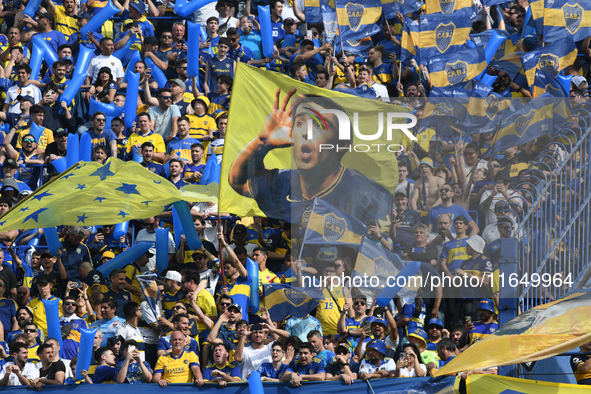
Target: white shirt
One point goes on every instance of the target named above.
(129, 332)
(491, 233)
(204, 13)
(144, 236)
(390, 344)
(212, 279)
(405, 373)
(105, 61)
(14, 91)
(216, 147)
(253, 358)
(250, 247)
(230, 22)
(381, 92)
(211, 226)
(30, 371)
(387, 365)
(152, 334)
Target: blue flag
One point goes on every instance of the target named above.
(441, 33)
(546, 83)
(150, 290)
(531, 121)
(283, 300)
(211, 172)
(552, 58)
(328, 225)
(357, 23)
(563, 18)
(329, 19)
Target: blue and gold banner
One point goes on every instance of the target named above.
(546, 83)
(552, 58)
(564, 18)
(441, 33)
(537, 15)
(357, 23)
(312, 11)
(453, 68)
(91, 193)
(493, 384)
(530, 122)
(282, 300)
(446, 6)
(410, 40)
(329, 19)
(328, 225)
(481, 40)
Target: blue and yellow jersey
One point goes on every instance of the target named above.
(156, 139)
(131, 273)
(253, 237)
(200, 125)
(181, 148)
(581, 377)
(315, 366)
(482, 330)
(33, 358)
(71, 344)
(206, 302)
(230, 368)
(45, 139)
(64, 23)
(455, 253)
(383, 73)
(168, 301)
(217, 101)
(328, 311)
(190, 169)
(478, 266)
(39, 315)
(105, 374)
(177, 369)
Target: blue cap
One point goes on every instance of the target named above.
(435, 321)
(83, 15)
(380, 346)
(140, 6)
(487, 304)
(419, 332)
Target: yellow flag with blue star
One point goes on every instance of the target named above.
(91, 193)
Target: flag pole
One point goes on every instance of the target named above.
(221, 249)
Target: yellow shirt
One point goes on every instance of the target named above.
(156, 139)
(177, 370)
(328, 313)
(64, 23)
(131, 273)
(39, 315)
(45, 139)
(206, 302)
(267, 276)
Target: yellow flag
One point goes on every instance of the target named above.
(493, 384)
(91, 193)
(250, 114)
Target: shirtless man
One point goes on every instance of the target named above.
(431, 184)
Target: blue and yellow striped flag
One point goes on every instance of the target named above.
(484, 111)
(357, 23)
(452, 68)
(446, 6)
(441, 33)
(328, 225)
(546, 83)
(91, 193)
(282, 300)
(537, 15)
(391, 7)
(552, 58)
(312, 11)
(409, 41)
(329, 19)
(564, 18)
(526, 124)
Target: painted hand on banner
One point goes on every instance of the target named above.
(276, 132)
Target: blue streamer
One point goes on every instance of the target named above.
(125, 258)
(187, 9)
(136, 57)
(52, 239)
(162, 249)
(99, 19)
(72, 89)
(266, 30)
(73, 153)
(84, 57)
(85, 351)
(130, 106)
(120, 230)
(85, 147)
(52, 314)
(182, 209)
(157, 73)
(36, 61)
(255, 384)
(193, 50)
(253, 273)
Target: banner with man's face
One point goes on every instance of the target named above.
(289, 142)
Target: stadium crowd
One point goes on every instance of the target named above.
(454, 202)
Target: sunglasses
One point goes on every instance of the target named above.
(28, 140)
(69, 303)
(166, 37)
(30, 330)
(100, 120)
(149, 224)
(226, 304)
(469, 153)
(182, 68)
(234, 39)
(166, 97)
(342, 352)
(179, 307)
(359, 303)
(444, 190)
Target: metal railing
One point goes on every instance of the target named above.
(554, 213)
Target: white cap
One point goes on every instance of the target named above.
(578, 80)
(174, 275)
(477, 243)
